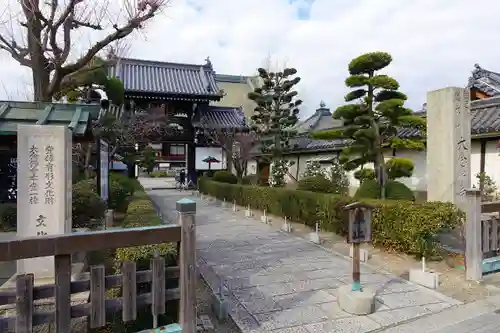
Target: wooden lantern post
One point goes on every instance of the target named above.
(360, 231)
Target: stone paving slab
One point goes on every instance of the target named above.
(276, 282)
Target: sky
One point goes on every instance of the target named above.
(434, 44)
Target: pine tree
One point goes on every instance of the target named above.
(277, 110)
(373, 119)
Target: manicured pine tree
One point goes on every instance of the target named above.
(277, 110)
(374, 116)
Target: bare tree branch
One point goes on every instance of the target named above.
(48, 30)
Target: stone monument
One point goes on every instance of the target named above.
(448, 145)
(44, 188)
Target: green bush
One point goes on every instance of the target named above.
(8, 217)
(369, 189)
(225, 177)
(250, 180)
(395, 190)
(159, 174)
(118, 196)
(88, 208)
(316, 183)
(129, 184)
(364, 174)
(397, 225)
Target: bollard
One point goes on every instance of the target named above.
(109, 219)
(187, 314)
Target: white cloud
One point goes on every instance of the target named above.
(434, 43)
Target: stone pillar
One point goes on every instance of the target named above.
(44, 181)
(448, 145)
(186, 209)
(473, 237)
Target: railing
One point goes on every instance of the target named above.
(62, 246)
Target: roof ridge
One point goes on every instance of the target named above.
(164, 63)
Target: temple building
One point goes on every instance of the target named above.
(182, 93)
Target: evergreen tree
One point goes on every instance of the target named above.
(373, 119)
(148, 159)
(277, 110)
(313, 168)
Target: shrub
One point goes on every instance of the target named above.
(399, 167)
(250, 180)
(88, 208)
(158, 174)
(316, 184)
(364, 174)
(336, 173)
(8, 217)
(118, 196)
(369, 189)
(398, 191)
(225, 177)
(129, 184)
(313, 168)
(397, 225)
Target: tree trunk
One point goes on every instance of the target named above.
(379, 163)
(39, 63)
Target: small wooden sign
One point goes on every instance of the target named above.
(360, 223)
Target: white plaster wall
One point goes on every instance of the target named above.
(418, 182)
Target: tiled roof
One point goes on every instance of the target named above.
(485, 114)
(485, 120)
(166, 78)
(321, 120)
(219, 117)
(76, 117)
(485, 81)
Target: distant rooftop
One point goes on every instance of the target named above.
(231, 78)
(485, 81)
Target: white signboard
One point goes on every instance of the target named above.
(201, 153)
(44, 177)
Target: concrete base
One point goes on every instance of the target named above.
(220, 308)
(248, 213)
(427, 279)
(265, 219)
(286, 227)
(363, 254)
(314, 238)
(359, 303)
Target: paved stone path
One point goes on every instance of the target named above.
(276, 282)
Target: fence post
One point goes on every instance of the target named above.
(188, 278)
(473, 237)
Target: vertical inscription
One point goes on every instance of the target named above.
(41, 226)
(462, 143)
(49, 175)
(33, 168)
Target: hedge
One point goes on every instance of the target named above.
(401, 226)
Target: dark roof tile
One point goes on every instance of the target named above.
(219, 117)
(165, 78)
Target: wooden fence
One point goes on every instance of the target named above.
(62, 246)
